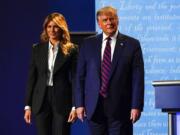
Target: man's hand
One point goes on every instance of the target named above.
(80, 113)
(27, 116)
(135, 115)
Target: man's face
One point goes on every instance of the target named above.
(108, 23)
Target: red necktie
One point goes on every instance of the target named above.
(105, 69)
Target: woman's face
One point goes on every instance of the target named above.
(53, 31)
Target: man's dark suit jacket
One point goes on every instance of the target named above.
(126, 90)
(63, 74)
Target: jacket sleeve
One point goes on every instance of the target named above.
(73, 70)
(137, 78)
(80, 77)
(32, 77)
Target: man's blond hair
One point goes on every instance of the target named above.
(108, 10)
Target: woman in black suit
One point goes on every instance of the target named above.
(51, 79)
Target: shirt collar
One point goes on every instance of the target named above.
(112, 37)
(55, 46)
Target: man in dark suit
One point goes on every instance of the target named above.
(51, 75)
(110, 79)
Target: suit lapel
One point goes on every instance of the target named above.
(43, 56)
(117, 52)
(60, 59)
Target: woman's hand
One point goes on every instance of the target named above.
(27, 116)
(72, 116)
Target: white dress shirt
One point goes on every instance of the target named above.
(112, 44)
(52, 53)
